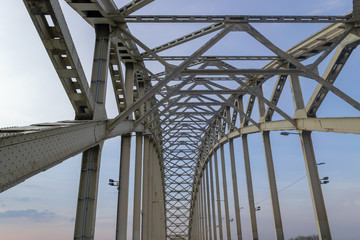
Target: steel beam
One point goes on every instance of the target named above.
(89, 176)
(273, 188)
(250, 191)
(132, 6)
(88, 189)
(209, 203)
(172, 75)
(50, 144)
(309, 73)
(213, 206)
(137, 187)
(297, 96)
(58, 43)
(245, 72)
(334, 68)
(199, 217)
(235, 189)
(211, 92)
(235, 19)
(123, 193)
(150, 183)
(226, 201)
(145, 192)
(100, 70)
(315, 187)
(117, 78)
(204, 207)
(188, 37)
(356, 10)
(157, 202)
(215, 58)
(218, 195)
(94, 12)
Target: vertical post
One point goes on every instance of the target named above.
(356, 9)
(249, 184)
(271, 173)
(272, 185)
(213, 213)
(100, 70)
(297, 97)
(249, 188)
(151, 190)
(201, 213)
(89, 176)
(218, 195)
(157, 200)
(137, 181)
(198, 216)
(197, 235)
(204, 206)
(208, 202)
(235, 189)
(86, 207)
(315, 186)
(145, 198)
(310, 164)
(226, 201)
(137, 187)
(123, 194)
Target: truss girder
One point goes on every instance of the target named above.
(189, 117)
(50, 144)
(236, 19)
(58, 43)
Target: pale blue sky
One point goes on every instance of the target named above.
(43, 207)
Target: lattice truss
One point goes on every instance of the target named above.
(191, 103)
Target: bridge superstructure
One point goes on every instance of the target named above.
(183, 116)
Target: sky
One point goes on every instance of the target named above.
(44, 206)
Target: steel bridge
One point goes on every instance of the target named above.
(185, 117)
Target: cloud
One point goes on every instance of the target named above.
(31, 186)
(31, 214)
(25, 199)
(327, 6)
(357, 202)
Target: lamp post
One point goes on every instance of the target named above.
(287, 133)
(113, 183)
(324, 180)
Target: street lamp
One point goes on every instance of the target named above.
(113, 183)
(287, 133)
(324, 180)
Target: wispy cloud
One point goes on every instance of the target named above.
(328, 6)
(24, 199)
(31, 186)
(31, 214)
